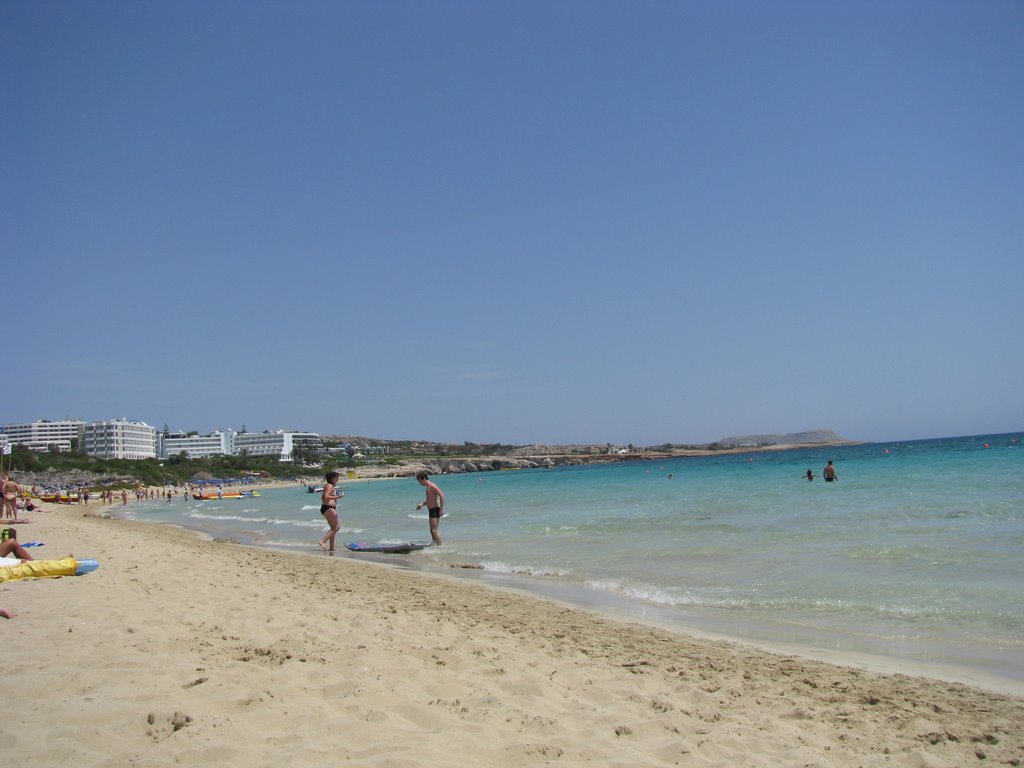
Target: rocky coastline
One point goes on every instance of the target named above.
(455, 465)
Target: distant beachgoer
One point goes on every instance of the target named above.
(434, 504)
(829, 472)
(329, 509)
(810, 476)
(11, 491)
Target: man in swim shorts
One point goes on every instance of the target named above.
(434, 504)
(829, 472)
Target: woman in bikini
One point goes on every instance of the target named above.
(329, 509)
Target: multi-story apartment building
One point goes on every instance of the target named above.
(123, 439)
(119, 439)
(45, 435)
(280, 443)
(196, 446)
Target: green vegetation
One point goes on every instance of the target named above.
(174, 469)
(419, 449)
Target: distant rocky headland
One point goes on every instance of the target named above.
(812, 437)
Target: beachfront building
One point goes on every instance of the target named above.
(280, 444)
(45, 435)
(217, 443)
(119, 439)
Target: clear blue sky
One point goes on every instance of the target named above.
(579, 221)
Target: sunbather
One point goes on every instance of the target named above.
(12, 545)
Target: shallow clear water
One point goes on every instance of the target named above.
(915, 553)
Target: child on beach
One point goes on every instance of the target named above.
(329, 509)
(434, 504)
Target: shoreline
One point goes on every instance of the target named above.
(192, 651)
(629, 611)
(943, 660)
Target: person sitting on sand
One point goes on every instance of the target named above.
(329, 509)
(12, 545)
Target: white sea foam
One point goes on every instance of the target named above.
(524, 570)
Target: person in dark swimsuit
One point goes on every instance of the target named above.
(434, 504)
(329, 509)
(829, 472)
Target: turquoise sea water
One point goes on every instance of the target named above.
(914, 554)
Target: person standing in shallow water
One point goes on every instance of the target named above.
(434, 504)
(829, 472)
(329, 509)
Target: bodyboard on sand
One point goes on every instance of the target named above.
(402, 548)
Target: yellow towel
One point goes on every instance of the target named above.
(37, 569)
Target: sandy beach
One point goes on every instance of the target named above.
(182, 651)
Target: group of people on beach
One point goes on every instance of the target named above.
(434, 502)
(12, 547)
(9, 493)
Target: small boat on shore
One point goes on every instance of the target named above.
(60, 498)
(225, 495)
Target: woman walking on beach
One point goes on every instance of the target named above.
(329, 509)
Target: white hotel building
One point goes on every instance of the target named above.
(278, 444)
(123, 439)
(195, 446)
(44, 435)
(119, 439)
